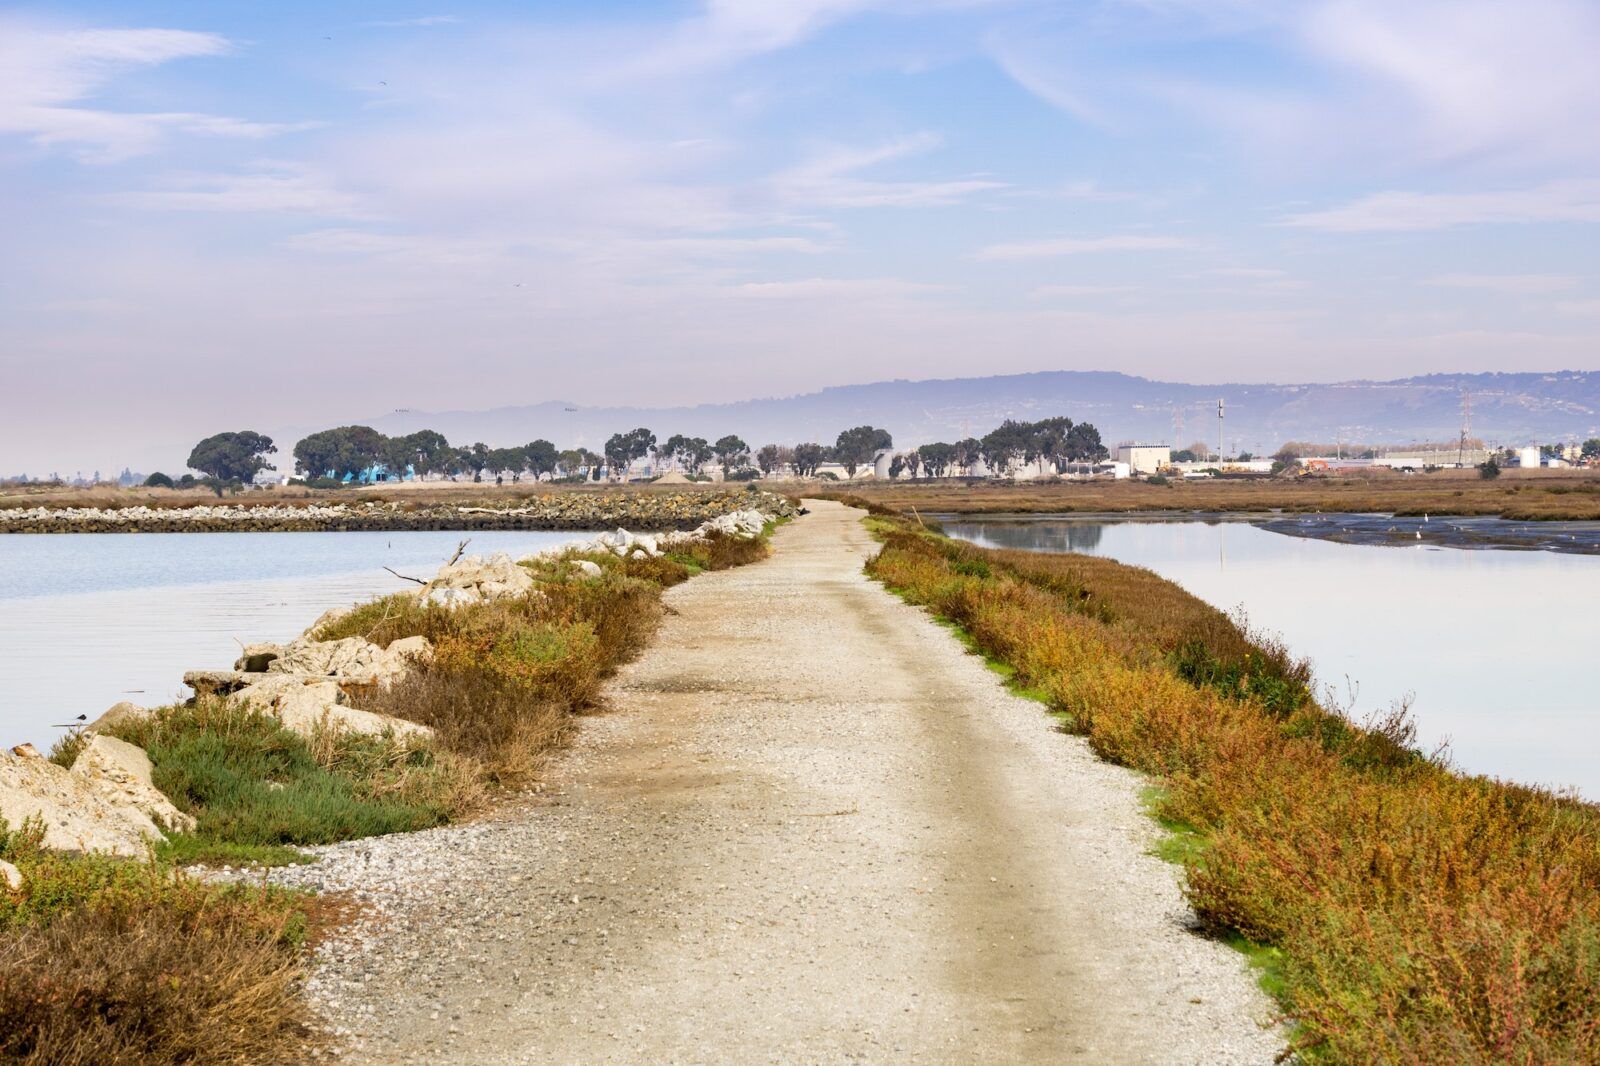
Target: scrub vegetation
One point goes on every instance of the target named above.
(1404, 912)
(106, 961)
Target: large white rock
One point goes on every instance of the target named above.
(10, 876)
(121, 772)
(76, 816)
(118, 714)
(305, 705)
(474, 579)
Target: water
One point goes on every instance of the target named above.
(87, 620)
(1495, 647)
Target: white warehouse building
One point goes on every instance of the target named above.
(1144, 458)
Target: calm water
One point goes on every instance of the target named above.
(1497, 648)
(90, 619)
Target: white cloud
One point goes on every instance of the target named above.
(827, 180)
(1511, 284)
(1057, 246)
(47, 75)
(1556, 201)
(838, 289)
(1073, 292)
(425, 20)
(272, 187)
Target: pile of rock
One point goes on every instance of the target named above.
(745, 525)
(105, 803)
(576, 510)
(307, 683)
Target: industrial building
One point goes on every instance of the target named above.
(1144, 458)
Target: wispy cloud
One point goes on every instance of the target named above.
(425, 20)
(1511, 284)
(838, 289)
(1075, 292)
(1556, 201)
(828, 180)
(1059, 246)
(271, 187)
(47, 75)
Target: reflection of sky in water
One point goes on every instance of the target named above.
(128, 613)
(1497, 647)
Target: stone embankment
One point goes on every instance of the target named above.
(106, 801)
(682, 511)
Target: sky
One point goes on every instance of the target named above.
(224, 215)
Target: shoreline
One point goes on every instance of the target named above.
(557, 512)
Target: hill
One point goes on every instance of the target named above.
(1512, 408)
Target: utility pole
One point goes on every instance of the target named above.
(1219, 432)
(1466, 425)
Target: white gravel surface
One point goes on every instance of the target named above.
(811, 828)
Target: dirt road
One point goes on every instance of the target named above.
(811, 829)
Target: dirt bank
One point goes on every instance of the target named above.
(812, 828)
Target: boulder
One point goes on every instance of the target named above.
(10, 876)
(118, 714)
(327, 618)
(588, 568)
(121, 772)
(255, 658)
(328, 658)
(304, 704)
(473, 579)
(75, 814)
(217, 682)
(409, 649)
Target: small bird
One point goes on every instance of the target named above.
(83, 718)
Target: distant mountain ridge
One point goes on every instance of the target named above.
(1506, 408)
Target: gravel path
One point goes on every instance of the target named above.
(812, 828)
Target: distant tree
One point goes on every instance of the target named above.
(913, 461)
(540, 457)
(428, 452)
(502, 461)
(1084, 445)
(936, 458)
(1184, 456)
(732, 453)
(897, 466)
(341, 452)
(477, 457)
(966, 452)
(807, 457)
(768, 459)
(857, 447)
(1489, 469)
(1591, 448)
(1007, 444)
(1051, 442)
(230, 456)
(623, 448)
(1246, 457)
(158, 480)
(691, 453)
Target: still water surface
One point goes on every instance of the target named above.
(1497, 648)
(89, 619)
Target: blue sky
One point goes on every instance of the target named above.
(224, 215)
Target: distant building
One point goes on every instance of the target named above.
(1144, 458)
(1528, 458)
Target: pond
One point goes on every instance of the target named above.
(89, 619)
(1495, 648)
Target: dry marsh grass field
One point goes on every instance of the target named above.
(432, 492)
(1529, 495)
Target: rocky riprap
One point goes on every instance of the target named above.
(555, 511)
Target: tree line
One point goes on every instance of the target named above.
(356, 452)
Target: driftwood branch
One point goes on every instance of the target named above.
(405, 577)
(459, 549)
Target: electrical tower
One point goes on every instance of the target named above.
(1466, 427)
(1219, 431)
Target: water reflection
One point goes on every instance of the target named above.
(1493, 644)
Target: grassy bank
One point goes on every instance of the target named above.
(115, 961)
(1415, 914)
(1526, 495)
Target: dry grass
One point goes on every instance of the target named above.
(507, 677)
(1420, 916)
(1529, 495)
(111, 961)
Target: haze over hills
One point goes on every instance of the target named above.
(1514, 408)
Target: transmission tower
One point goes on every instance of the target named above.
(1466, 427)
